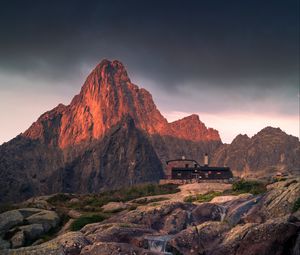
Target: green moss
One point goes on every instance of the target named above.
(207, 197)
(94, 202)
(86, 219)
(59, 198)
(248, 186)
(296, 205)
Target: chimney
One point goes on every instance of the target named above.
(206, 159)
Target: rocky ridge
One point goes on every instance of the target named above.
(263, 224)
(269, 151)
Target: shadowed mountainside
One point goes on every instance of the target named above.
(270, 150)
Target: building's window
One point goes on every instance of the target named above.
(218, 173)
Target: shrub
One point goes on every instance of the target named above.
(86, 219)
(59, 198)
(296, 205)
(93, 202)
(248, 186)
(207, 197)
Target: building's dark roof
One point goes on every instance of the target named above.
(199, 167)
(192, 160)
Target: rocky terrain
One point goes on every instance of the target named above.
(268, 151)
(233, 222)
(112, 135)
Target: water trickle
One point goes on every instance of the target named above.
(223, 213)
(158, 243)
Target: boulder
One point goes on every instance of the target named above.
(272, 237)
(39, 203)
(176, 221)
(157, 218)
(236, 213)
(118, 233)
(32, 232)
(281, 197)
(26, 212)
(49, 219)
(228, 198)
(114, 207)
(10, 219)
(277, 202)
(74, 200)
(109, 248)
(198, 239)
(223, 199)
(74, 214)
(70, 243)
(208, 212)
(18, 240)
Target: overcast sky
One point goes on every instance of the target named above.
(235, 63)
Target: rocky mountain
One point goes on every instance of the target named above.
(269, 151)
(191, 128)
(112, 135)
(106, 96)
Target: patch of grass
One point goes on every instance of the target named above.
(144, 190)
(59, 198)
(248, 186)
(86, 219)
(296, 205)
(207, 197)
(93, 202)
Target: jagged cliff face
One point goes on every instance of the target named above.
(191, 128)
(269, 151)
(106, 96)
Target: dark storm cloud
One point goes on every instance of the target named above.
(201, 43)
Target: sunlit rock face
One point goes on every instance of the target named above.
(106, 96)
(191, 128)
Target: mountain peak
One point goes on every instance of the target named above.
(106, 96)
(192, 128)
(107, 69)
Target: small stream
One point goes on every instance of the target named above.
(158, 243)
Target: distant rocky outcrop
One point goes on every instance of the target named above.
(191, 128)
(269, 151)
